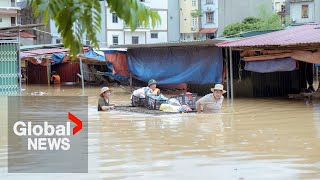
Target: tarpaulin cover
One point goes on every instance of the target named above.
(174, 65)
(287, 64)
(94, 55)
(119, 62)
(57, 58)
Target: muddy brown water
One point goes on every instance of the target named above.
(249, 139)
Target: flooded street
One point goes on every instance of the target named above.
(249, 139)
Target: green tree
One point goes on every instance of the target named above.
(74, 18)
(266, 21)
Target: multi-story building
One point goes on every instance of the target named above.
(304, 11)
(173, 20)
(278, 5)
(209, 19)
(117, 32)
(189, 19)
(8, 13)
(214, 15)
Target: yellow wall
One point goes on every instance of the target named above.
(185, 16)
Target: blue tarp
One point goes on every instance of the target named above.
(113, 52)
(278, 65)
(57, 58)
(93, 55)
(174, 65)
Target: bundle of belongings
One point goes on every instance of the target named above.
(174, 106)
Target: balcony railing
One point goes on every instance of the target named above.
(139, 27)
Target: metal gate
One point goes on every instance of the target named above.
(9, 68)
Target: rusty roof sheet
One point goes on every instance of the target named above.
(305, 34)
(208, 30)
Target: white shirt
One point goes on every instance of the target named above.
(210, 104)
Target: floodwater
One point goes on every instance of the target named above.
(249, 139)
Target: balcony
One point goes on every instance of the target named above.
(139, 28)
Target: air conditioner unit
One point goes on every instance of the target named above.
(208, 8)
(193, 28)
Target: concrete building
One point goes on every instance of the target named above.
(8, 13)
(209, 19)
(189, 24)
(278, 5)
(173, 20)
(232, 11)
(117, 32)
(304, 11)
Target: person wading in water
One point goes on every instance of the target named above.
(104, 103)
(211, 102)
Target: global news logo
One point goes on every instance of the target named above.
(48, 136)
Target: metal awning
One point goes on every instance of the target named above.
(209, 42)
(208, 30)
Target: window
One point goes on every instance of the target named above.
(0, 19)
(209, 1)
(58, 41)
(13, 3)
(154, 35)
(135, 40)
(209, 17)
(142, 0)
(114, 18)
(305, 11)
(13, 21)
(194, 3)
(194, 22)
(87, 40)
(115, 40)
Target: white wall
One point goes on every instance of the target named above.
(164, 21)
(296, 9)
(6, 21)
(120, 35)
(214, 8)
(129, 34)
(158, 4)
(111, 25)
(5, 3)
(162, 37)
(101, 36)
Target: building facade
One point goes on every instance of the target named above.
(304, 11)
(117, 32)
(189, 19)
(173, 20)
(209, 19)
(278, 5)
(8, 13)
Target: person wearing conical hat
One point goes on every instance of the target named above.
(211, 102)
(104, 102)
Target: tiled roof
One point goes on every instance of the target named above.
(305, 34)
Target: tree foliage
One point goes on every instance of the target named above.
(265, 21)
(74, 18)
(196, 13)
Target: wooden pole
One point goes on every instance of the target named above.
(82, 80)
(231, 73)
(227, 72)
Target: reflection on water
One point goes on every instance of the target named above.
(249, 139)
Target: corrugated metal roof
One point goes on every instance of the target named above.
(209, 42)
(208, 30)
(305, 34)
(22, 34)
